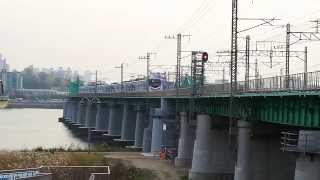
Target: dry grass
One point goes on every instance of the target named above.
(20, 160)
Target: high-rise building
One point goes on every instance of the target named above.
(87, 76)
(3, 64)
(14, 82)
(4, 69)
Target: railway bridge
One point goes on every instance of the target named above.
(268, 130)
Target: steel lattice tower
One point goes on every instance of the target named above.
(178, 68)
(247, 75)
(234, 47)
(197, 74)
(233, 64)
(287, 56)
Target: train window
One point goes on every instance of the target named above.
(155, 83)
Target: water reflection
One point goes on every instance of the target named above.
(30, 128)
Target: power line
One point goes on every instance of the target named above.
(200, 12)
(194, 14)
(121, 67)
(178, 37)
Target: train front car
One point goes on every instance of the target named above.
(155, 84)
(158, 82)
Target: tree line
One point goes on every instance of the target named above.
(43, 80)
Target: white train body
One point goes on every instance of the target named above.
(157, 82)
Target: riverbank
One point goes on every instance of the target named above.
(35, 104)
(32, 159)
(162, 169)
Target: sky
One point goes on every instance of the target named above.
(101, 34)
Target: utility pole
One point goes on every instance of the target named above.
(96, 83)
(287, 55)
(233, 65)
(247, 74)
(256, 70)
(121, 75)
(305, 68)
(178, 37)
(178, 68)
(256, 73)
(223, 76)
(234, 48)
(298, 36)
(147, 58)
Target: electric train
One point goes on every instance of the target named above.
(157, 82)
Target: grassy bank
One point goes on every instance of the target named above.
(119, 170)
(21, 160)
(103, 147)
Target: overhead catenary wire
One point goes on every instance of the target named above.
(199, 13)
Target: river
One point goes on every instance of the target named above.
(22, 129)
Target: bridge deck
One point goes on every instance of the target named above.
(293, 100)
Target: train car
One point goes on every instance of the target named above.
(157, 82)
(115, 88)
(88, 89)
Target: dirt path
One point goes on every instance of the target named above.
(162, 169)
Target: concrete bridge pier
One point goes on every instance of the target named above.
(157, 131)
(68, 111)
(128, 123)
(102, 118)
(307, 167)
(243, 165)
(260, 155)
(65, 110)
(140, 124)
(79, 114)
(115, 119)
(212, 156)
(308, 160)
(77, 123)
(82, 113)
(91, 113)
(170, 133)
(75, 105)
(64, 113)
(186, 142)
(147, 133)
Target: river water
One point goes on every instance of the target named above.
(22, 129)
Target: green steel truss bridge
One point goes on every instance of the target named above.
(292, 100)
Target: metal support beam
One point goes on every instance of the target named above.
(121, 75)
(305, 67)
(287, 55)
(178, 68)
(247, 62)
(234, 47)
(147, 58)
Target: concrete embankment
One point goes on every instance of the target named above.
(35, 104)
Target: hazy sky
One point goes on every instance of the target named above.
(100, 34)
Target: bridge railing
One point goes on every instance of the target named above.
(294, 82)
(303, 142)
(59, 172)
(21, 173)
(78, 172)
